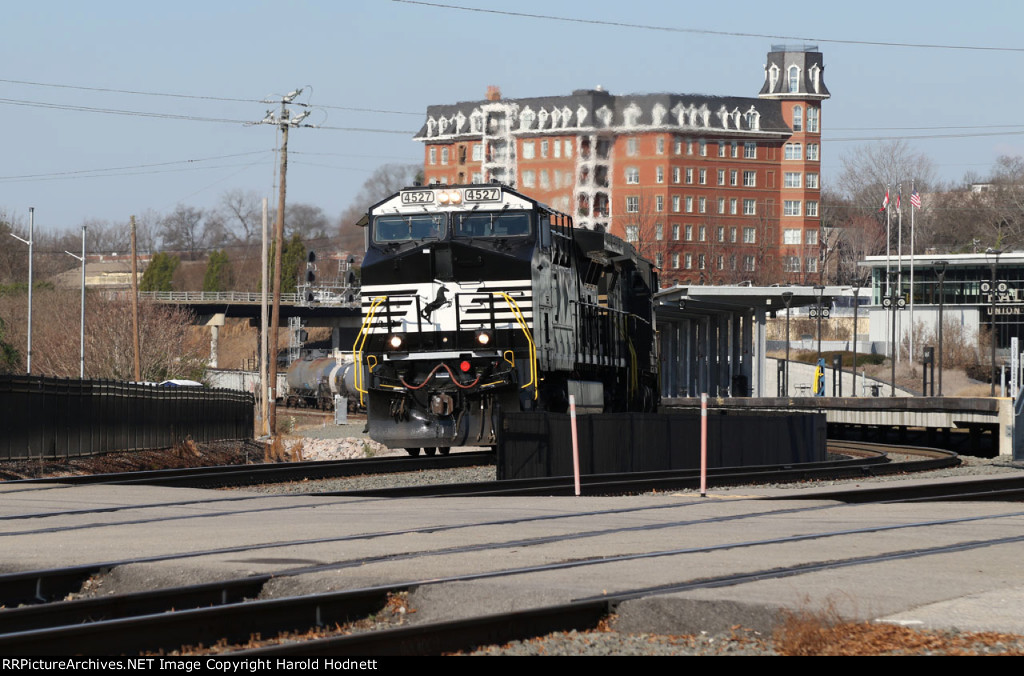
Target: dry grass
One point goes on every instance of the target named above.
(805, 633)
(278, 451)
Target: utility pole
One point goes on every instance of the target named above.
(284, 122)
(81, 330)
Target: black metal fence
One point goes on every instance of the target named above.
(59, 418)
(540, 444)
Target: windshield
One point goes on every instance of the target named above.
(495, 224)
(407, 228)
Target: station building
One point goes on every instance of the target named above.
(714, 189)
(973, 286)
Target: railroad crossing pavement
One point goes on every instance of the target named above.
(897, 560)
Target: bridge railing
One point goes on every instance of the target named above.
(213, 296)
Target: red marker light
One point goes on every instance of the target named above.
(465, 366)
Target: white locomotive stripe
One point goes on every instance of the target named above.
(435, 312)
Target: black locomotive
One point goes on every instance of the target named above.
(478, 299)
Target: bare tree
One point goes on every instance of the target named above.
(184, 230)
(644, 227)
(385, 180)
(243, 210)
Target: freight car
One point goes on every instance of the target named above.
(477, 299)
(314, 382)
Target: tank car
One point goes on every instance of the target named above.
(477, 299)
(314, 382)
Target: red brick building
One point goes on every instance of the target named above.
(714, 189)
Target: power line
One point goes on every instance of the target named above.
(83, 173)
(705, 31)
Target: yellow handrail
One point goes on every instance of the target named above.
(518, 314)
(357, 347)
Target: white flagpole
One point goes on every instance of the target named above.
(899, 267)
(888, 267)
(912, 272)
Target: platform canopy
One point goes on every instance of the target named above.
(712, 338)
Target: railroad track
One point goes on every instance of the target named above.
(167, 619)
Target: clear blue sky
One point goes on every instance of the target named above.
(392, 56)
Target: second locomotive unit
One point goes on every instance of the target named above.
(477, 299)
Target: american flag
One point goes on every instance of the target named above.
(915, 200)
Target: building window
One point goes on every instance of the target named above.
(689, 232)
(659, 146)
(811, 237)
(812, 152)
(721, 262)
(632, 205)
(544, 182)
(632, 146)
(444, 156)
(659, 174)
(749, 207)
(791, 236)
(679, 146)
(798, 118)
(791, 208)
(749, 236)
(689, 261)
(478, 152)
(529, 150)
(543, 148)
(812, 208)
(689, 175)
(659, 260)
(812, 181)
(794, 79)
(675, 203)
(750, 179)
(659, 231)
(702, 205)
(701, 261)
(794, 151)
(675, 231)
(557, 148)
(733, 202)
(812, 120)
(732, 262)
(791, 264)
(478, 177)
(702, 233)
(568, 147)
(632, 233)
(703, 177)
(632, 175)
(792, 180)
(721, 149)
(675, 261)
(689, 204)
(721, 177)
(750, 151)
(748, 263)
(529, 179)
(702, 147)
(433, 155)
(812, 264)
(676, 173)
(720, 233)
(721, 206)
(659, 203)
(733, 177)
(735, 148)
(732, 235)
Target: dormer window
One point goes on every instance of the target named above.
(753, 119)
(794, 79)
(527, 118)
(816, 78)
(773, 77)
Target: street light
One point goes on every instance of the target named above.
(940, 270)
(31, 231)
(994, 254)
(856, 294)
(81, 330)
(787, 298)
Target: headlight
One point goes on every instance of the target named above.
(396, 341)
(484, 338)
